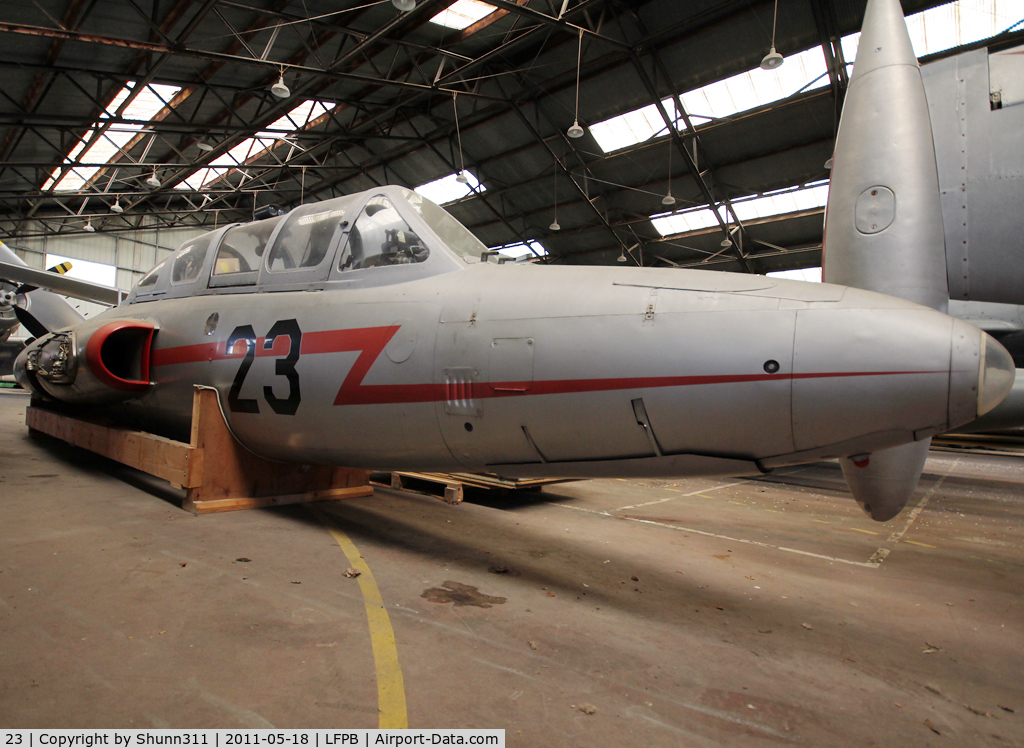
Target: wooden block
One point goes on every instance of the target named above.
(453, 493)
(229, 505)
(230, 471)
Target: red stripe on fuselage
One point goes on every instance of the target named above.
(370, 342)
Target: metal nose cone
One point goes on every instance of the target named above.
(884, 40)
(997, 373)
(981, 374)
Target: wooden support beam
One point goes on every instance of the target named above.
(218, 473)
(165, 458)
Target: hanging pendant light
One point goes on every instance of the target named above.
(554, 224)
(622, 256)
(404, 5)
(668, 199)
(117, 207)
(279, 89)
(204, 145)
(461, 178)
(828, 164)
(89, 227)
(153, 180)
(773, 59)
(576, 131)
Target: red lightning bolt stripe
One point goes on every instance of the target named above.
(371, 341)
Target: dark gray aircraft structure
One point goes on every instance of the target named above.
(924, 212)
(371, 331)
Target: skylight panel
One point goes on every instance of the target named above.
(952, 25)
(669, 224)
(522, 250)
(463, 14)
(809, 275)
(747, 209)
(803, 71)
(448, 189)
(306, 114)
(934, 30)
(754, 88)
(146, 104)
(632, 127)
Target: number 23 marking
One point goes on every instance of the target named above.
(282, 367)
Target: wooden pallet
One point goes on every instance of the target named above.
(450, 487)
(989, 444)
(217, 472)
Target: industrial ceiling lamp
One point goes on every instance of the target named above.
(576, 131)
(117, 207)
(828, 164)
(727, 241)
(462, 178)
(668, 199)
(89, 227)
(622, 255)
(279, 89)
(773, 59)
(404, 5)
(153, 180)
(204, 145)
(554, 224)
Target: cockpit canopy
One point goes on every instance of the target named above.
(381, 236)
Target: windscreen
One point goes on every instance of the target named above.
(458, 238)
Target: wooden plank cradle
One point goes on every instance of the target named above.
(218, 473)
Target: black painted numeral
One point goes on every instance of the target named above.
(235, 403)
(285, 367)
(282, 367)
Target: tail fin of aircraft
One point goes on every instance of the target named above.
(883, 225)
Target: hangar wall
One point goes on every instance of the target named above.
(132, 253)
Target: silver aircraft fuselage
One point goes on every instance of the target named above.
(429, 359)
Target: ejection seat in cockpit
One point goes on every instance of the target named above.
(380, 236)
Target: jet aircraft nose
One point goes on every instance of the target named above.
(898, 372)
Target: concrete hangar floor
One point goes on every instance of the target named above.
(601, 613)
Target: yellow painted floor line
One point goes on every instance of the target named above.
(869, 532)
(390, 685)
(914, 542)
